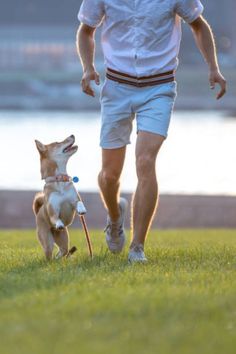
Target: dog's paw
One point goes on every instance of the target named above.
(61, 253)
(58, 255)
(59, 225)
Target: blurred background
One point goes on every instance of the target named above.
(41, 98)
(40, 68)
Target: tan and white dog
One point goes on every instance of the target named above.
(56, 206)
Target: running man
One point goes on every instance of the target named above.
(140, 41)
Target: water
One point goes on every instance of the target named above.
(198, 157)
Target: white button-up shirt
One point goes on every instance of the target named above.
(140, 37)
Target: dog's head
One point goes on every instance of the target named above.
(55, 156)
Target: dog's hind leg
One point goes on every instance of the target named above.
(61, 238)
(45, 237)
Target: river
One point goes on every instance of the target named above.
(199, 156)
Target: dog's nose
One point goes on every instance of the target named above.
(72, 136)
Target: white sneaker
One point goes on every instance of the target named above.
(115, 234)
(136, 255)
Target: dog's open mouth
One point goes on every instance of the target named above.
(70, 148)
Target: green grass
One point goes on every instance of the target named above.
(182, 302)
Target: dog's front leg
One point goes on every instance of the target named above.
(53, 213)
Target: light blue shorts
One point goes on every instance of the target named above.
(121, 103)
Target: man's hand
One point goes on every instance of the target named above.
(216, 77)
(205, 41)
(89, 75)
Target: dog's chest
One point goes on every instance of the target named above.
(62, 194)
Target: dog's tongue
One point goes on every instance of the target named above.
(68, 148)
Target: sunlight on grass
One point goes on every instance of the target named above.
(182, 301)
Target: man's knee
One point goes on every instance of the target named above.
(109, 176)
(145, 164)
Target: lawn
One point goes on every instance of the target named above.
(182, 302)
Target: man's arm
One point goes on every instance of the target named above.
(205, 41)
(85, 44)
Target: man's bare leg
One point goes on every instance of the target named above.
(145, 199)
(109, 179)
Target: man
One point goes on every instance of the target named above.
(140, 41)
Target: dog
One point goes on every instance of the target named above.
(56, 206)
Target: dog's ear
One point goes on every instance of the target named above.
(41, 148)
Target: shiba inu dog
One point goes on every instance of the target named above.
(55, 207)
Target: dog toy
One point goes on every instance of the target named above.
(81, 210)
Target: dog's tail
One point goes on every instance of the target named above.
(38, 202)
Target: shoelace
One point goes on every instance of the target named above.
(116, 227)
(138, 248)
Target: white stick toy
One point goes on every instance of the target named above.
(81, 208)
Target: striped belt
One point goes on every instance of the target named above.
(141, 81)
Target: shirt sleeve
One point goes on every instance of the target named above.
(189, 10)
(91, 12)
